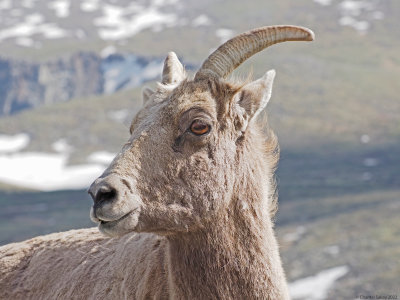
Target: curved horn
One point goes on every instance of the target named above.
(235, 51)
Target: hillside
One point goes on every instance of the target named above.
(351, 76)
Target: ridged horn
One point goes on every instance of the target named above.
(235, 51)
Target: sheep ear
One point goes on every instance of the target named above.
(146, 94)
(254, 96)
(173, 71)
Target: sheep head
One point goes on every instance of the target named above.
(188, 144)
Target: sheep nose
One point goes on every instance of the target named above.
(102, 192)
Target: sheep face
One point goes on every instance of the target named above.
(190, 144)
(177, 172)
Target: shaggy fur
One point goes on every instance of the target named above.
(188, 216)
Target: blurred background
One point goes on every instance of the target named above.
(71, 74)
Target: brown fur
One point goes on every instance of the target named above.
(190, 216)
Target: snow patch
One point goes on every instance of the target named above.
(354, 8)
(28, 3)
(332, 250)
(119, 116)
(32, 26)
(5, 4)
(34, 19)
(359, 14)
(90, 5)
(370, 162)
(201, 20)
(159, 3)
(118, 26)
(125, 71)
(107, 51)
(295, 235)
(378, 15)
(113, 19)
(62, 146)
(360, 26)
(13, 143)
(51, 31)
(365, 139)
(101, 157)
(152, 70)
(224, 34)
(46, 172)
(25, 42)
(80, 34)
(61, 7)
(316, 287)
(323, 2)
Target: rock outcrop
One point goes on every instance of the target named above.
(28, 85)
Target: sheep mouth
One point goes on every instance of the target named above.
(111, 223)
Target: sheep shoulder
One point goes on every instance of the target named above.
(83, 264)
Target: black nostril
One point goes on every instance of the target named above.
(104, 194)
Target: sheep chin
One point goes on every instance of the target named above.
(122, 226)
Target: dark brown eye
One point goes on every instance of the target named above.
(199, 127)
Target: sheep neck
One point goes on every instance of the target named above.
(236, 258)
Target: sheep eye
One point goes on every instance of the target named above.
(199, 127)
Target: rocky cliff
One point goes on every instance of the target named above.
(27, 85)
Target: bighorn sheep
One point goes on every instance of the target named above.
(188, 201)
